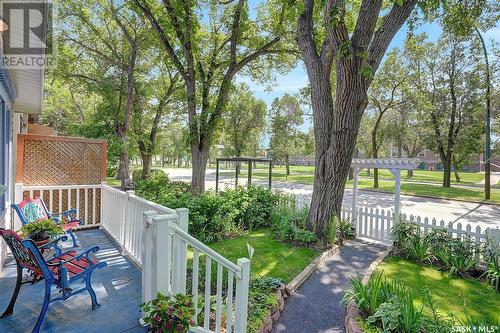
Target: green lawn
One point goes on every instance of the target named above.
(271, 258)
(429, 176)
(112, 181)
(456, 295)
(472, 194)
(305, 175)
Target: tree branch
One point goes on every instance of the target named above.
(163, 37)
(391, 24)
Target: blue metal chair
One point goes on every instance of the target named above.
(61, 270)
(30, 210)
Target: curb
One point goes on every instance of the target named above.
(352, 312)
(299, 280)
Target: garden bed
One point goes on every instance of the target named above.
(430, 282)
(462, 297)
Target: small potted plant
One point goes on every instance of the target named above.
(41, 230)
(169, 314)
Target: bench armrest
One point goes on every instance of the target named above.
(54, 244)
(78, 256)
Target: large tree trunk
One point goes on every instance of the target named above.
(455, 170)
(287, 165)
(199, 166)
(124, 165)
(446, 172)
(335, 134)
(147, 160)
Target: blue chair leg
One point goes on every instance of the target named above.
(91, 291)
(45, 306)
(70, 232)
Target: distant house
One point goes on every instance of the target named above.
(302, 160)
(432, 161)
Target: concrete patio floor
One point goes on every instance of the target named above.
(118, 289)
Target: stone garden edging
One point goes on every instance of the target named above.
(352, 312)
(286, 290)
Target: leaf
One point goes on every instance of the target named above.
(251, 250)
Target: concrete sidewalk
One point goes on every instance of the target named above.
(316, 306)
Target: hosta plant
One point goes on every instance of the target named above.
(169, 314)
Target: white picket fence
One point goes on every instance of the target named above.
(376, 223)
(157, 238)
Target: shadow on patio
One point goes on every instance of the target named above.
(118, 289)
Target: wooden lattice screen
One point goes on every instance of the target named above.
(57, 160)
(65, 171)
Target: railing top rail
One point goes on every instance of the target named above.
(114, 190)
(59, 187)
(201, 247)
(154, 206)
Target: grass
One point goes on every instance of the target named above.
(271, 258)
(455, 295)
(462, 193)
(112, 181)
(305, 175)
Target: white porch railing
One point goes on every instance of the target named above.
(84, 198)
(156, 238)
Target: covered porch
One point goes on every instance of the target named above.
(118, 289)
(145, 245)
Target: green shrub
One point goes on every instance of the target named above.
(261, 300)
(386, 304)
(402, 233)
(492, 259)
(289, 226)
(137, 174)
(418, 248)
(212, 216)
(460, 256)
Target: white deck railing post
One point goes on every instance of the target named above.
(241, 305)
(147, 256)
(180, 246)
(165, 225)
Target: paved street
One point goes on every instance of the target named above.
(484, 215)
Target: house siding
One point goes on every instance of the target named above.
(6, 98)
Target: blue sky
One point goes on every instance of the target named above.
(297, 78)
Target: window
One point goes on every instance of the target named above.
(421, 154)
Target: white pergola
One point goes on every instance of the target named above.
(394, 165)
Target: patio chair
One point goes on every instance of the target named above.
(61, 269)
(30, 210)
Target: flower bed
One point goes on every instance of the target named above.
(431, 283)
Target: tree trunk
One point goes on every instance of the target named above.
(409, 174)
(335, 134)
(146, 164)
(124, 166)
(199, 166)
(287, 165)
(446, 172)
(455, 170)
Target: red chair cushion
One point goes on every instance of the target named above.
(74, 267)
(70, 225)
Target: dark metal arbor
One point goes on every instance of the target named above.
(250, 161)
